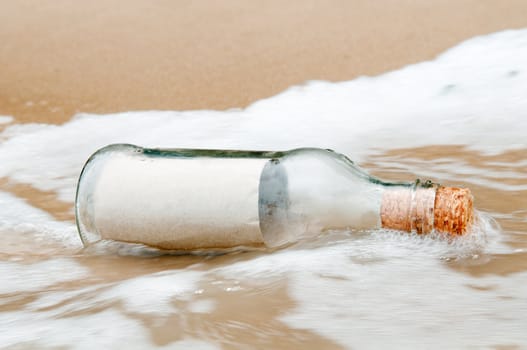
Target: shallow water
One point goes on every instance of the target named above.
(459, 120)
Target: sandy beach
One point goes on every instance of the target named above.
(458, 119)
(60, 58)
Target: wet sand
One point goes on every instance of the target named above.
(59, 57)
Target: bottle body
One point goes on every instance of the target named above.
(197, 199)
(172, 199)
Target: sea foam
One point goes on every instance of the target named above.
(473, 94)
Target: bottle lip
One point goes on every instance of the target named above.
(425, 209)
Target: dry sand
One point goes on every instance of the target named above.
(60, 57)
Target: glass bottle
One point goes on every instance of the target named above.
(185, 199)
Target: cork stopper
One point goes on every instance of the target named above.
(453, 210)
(420, 209)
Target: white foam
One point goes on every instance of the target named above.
(5, 119)
(61, 317)
(385, 287)
(205, 306)
(333, 286)
(108, 329)
(17, 277)
(412, 303)
(153, 294)
(473, 94)
(37, 227)
(347, 256)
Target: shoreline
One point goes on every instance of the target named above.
(61, 58)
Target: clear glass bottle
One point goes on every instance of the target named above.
(186, 199)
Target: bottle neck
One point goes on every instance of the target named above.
(408, 209)
(422, 209)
